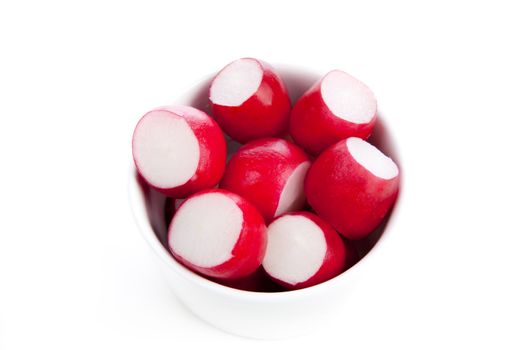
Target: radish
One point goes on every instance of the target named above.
(334, 108)
(352, 185)
(249, 100)
(218, 234)
(270, 174)
(179, 150)
(303, 250)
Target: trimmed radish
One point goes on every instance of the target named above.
(334, 108)
(218, 234)
(249, 100)
(352, 185)
(270, 174)
(303, 250)
(179, 150)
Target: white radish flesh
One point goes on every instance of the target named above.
(165, 149)
(236, 83)
(372, 159)
(292, 197)
(296, 249)
(206, 237)
(348, 98)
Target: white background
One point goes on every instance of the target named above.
(76, 76)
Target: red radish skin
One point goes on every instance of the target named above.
(352, 185)
(258, 281)
(179, 150)
(336, 107)
(218, 234)
(270, 174)
(303, 250)
(249, 100)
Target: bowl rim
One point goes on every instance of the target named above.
(136, 199)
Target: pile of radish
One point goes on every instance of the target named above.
(290, 207)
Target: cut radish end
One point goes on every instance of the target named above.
(372, 159)
(249, 100)
(206, 237)
(218, 234)
(352, 185)
(165, 149)
(292, 197)
(336, 107)
(296, 249)
(236, 83)
(179, 150)
(348, 98)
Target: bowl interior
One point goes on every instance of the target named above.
(157, 207)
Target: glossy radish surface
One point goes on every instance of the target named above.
(218, 234)
(179, 150)
(334, 108)
(352, 185)
(249, 100)
(270, 174)
(303, 250)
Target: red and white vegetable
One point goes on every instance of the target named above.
(270, 174)
(218, 234)
(303, 250)
(249, 100)
(352, 185)
(179, 150)
(221, 233)
(336, 107)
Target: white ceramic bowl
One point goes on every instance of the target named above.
(253, 314)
